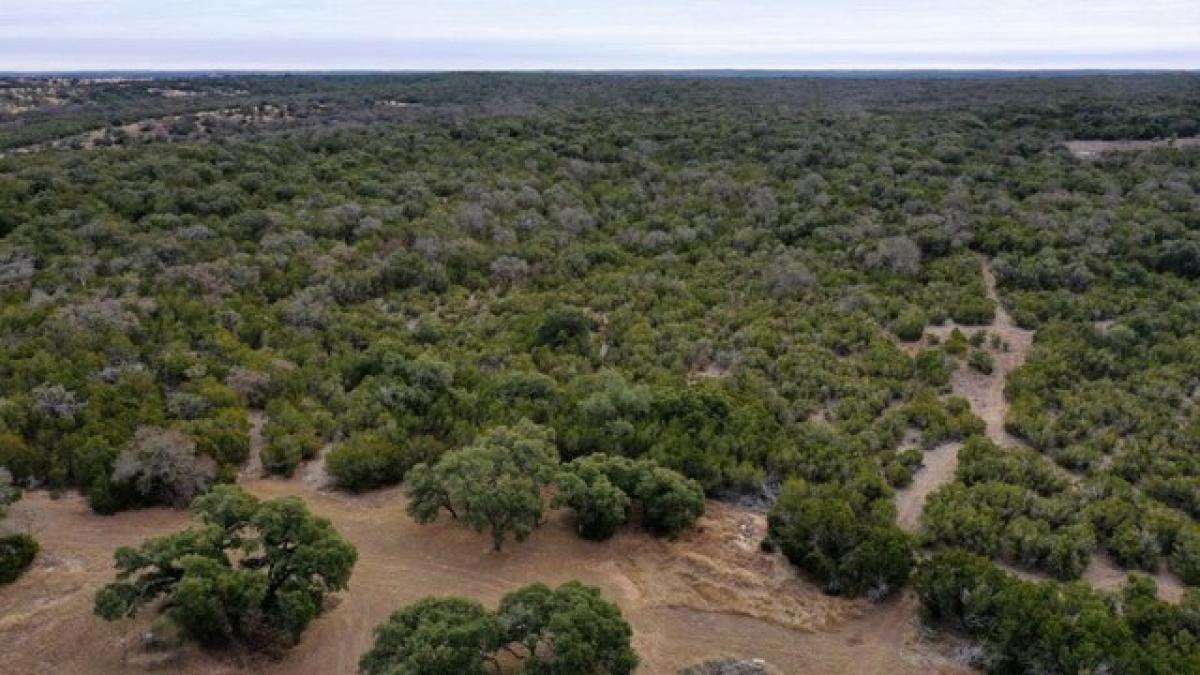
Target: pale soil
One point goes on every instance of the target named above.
(1104, 574)
(712, 371)
(1094, 149)
(156, 128)
(254, 466)
(986, 392)
(711, 593)
(937, 469)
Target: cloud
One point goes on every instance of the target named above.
(490, 34)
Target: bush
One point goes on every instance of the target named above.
(982, 361)
(910, 325)
(24, 462)
(225, 437)
(161, 466)
(601, 489)
(9, 493)
(933, 368)
(369, 460)
(851, 551)
(106, 497)
(292, 434)
(17, 552)
(563, 328)
(670, 502)
(600, 507)
(973, 311)
(1045, 627)
(282, 454)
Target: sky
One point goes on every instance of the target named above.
(596, 34)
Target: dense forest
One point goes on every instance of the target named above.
(636, 292)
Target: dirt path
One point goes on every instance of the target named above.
(987, 397)
(253, 468)
(937, 469)
(1104, 574)
(985, 393)
(1096, 149)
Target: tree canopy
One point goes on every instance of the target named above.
(569, 630)
(246, 570)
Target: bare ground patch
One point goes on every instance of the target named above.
(1095, 149)
(986, 392)
(254, 466)
(1104, 574)
(937, 469)
(710, 593)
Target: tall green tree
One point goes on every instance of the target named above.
(495, 484)
(244, 570)
(569, 630)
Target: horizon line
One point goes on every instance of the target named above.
(668, 69)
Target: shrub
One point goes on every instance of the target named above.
(225, 437)
(23, 461)
(562, 328)
(601, 488)
(369, 460)
(17, 552)
(670, 502)
(850, 550)
(9, 493)
(971, 310)
(162, 467)
(282, 454)
(1045, 627)
(600, 507)
(933, 367)
(910, 325)
(982, 361)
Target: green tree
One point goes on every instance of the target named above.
(244, 569)
(435, 636)
(572, 630)
(495, 484)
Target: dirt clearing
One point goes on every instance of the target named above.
(711, 593)
(1094, 149)
(937, 469)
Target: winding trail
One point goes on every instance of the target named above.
(985, 393)
(986, 396)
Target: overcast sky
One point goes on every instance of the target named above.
(597, 34)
